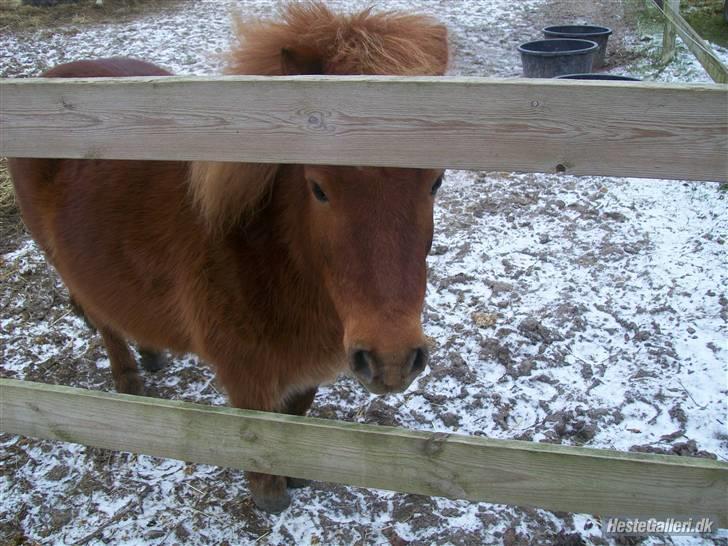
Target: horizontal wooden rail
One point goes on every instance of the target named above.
(578, 127)
(480, 469)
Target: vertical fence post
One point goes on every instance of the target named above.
(668, 34)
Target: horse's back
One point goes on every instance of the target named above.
(108, 226)
(113, 67)
(34, 178)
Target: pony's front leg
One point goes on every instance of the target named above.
(299, 404)
(269, 492)
(248, 391)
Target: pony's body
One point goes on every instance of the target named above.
(235, 299)
(277, 275)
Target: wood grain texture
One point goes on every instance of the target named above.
(578, 127)
(502, 471)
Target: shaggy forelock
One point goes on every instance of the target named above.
(318, 41)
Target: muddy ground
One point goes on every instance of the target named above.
(586, 311)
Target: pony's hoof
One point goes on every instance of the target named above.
(269, 492)
(270, 504)
(298, 483)
(152, 361)
(130, 384)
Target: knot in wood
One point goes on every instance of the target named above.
(435, 443)
(249, 436)
(447, 487)
(316, 120)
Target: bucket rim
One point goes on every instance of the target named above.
(587, 30)
(596, 76)
(582, 47)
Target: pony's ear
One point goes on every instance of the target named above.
(300, 61)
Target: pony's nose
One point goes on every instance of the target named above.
(393, 372)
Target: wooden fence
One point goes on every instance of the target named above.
(668, 31)
(621, 129)
(676, 23)
(584, 128)
(555, 477)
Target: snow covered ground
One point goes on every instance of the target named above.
(585, 311)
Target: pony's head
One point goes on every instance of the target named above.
(368, 229)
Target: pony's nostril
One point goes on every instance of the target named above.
(419, 360)
(361, 364)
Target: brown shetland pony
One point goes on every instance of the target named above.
(277, 275)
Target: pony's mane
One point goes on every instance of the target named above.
(311, 39)
(314, 40)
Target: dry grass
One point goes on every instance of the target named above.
(28, 18)
(15, 17)
(11, 225)
(83, 12)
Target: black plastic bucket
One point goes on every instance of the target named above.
(551, 58)
(603, 77)
(600, 35)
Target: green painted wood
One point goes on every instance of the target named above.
(501, 471)
(629, 129)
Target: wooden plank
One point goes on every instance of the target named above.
(668, 34)
(692, 40)
(578, 127)
(480, 469)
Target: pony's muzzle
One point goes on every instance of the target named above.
(383, 373)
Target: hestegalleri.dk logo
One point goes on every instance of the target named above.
(624, 526)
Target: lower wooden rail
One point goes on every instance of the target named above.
(548, 476)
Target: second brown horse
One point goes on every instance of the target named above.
(280, 276)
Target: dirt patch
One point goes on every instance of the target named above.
(683, 449)
(84, 12)
(619, 16)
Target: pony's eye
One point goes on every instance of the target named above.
(436, 185)
(318, 193)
